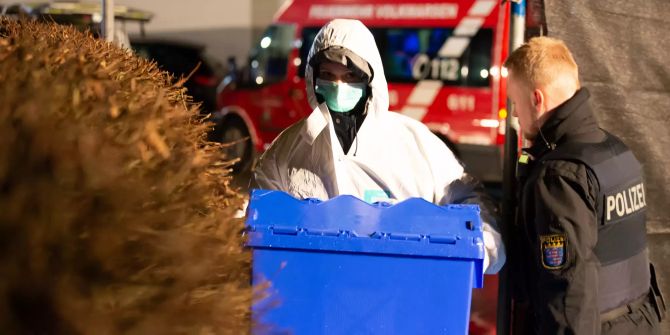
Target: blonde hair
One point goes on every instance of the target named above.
(541, 61)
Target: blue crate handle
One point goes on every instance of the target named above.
(413, 228)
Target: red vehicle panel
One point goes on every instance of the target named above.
(442, 61)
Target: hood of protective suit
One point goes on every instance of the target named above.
(355, 37)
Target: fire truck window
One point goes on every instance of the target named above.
(412, 54)
(308, 35)
(269, 58)
(478, 58)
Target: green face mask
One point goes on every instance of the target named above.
(341, 97)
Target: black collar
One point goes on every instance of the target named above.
(570, 120)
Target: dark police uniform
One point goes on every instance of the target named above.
(581, 250)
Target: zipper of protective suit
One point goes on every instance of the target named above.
(355, 135)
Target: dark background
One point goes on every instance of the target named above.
(622, 49)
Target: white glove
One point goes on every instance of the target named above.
(494, 257)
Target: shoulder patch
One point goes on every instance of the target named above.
(553, 251)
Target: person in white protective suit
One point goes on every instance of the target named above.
(352, 144)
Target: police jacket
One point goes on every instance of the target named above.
(580, 227)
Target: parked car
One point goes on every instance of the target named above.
(181, 58)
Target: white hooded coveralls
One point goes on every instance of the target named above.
(392, 158)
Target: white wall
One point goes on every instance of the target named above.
(225, 27)
(173, 15)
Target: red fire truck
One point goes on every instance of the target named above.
(442, 61)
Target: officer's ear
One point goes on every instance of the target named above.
(538, 100)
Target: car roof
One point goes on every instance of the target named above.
(166, 42)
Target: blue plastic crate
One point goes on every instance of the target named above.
(344, 266)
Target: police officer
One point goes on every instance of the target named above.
(581, 254)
